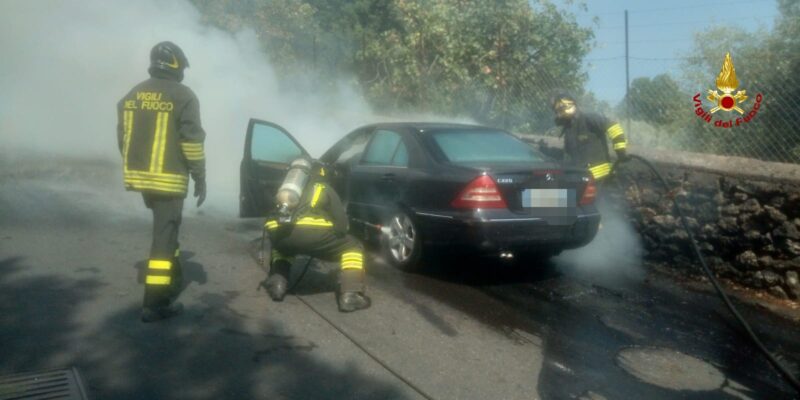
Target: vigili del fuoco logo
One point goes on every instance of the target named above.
(727, 98)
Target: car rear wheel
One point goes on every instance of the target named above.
(401, 243)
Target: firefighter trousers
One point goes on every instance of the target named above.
(164, 273)
(322, 243)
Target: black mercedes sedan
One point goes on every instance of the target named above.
(417, 188)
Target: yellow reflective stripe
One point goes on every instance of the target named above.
(159, 264)
(127, 126)
(601, 170)
(620, 145)
(163, 145)
(192, 145)
(140, 185)
(158, 177)
(314, 221)
(614, 131)
(353, 260)
(352, 265)
(158, 280)
(156, 143)
(152, 182)
(271, 224)
(193, 151)
(317, 192)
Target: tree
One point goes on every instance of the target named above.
(495, 61)
(658, 101)
(765, 62)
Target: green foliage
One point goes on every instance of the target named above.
(496, 61)
(656, 101)
(765, 62)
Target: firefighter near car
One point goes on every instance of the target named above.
(161, 141)
(585, 135)
(309, 219)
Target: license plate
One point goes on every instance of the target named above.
(535, 198)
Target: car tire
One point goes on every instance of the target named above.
(401, 243)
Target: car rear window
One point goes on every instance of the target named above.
(469, 147)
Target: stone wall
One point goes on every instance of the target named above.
(745, 215)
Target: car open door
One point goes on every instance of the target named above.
(268, 151)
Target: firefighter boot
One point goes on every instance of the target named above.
(353, 301)
(278, 281)
(153, 314)
(351, 295)
(176, 284)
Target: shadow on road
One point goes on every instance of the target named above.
(583, 326)
(209, 352)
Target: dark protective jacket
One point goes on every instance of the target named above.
(319, 207)
(160, 137)
(585, 144)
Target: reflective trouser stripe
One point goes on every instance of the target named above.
(614, 131)
(158, 280)
(599, 171)
(155, 269)
(272, 224)
(317, 193)
(353, 260)
(620, 145)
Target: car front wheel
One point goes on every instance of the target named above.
(401, 242)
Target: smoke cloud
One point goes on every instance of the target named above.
(66, 64)
(614, 256)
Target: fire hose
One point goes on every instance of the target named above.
(782, 370)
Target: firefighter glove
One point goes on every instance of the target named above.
(200, 191)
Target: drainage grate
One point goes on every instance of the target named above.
(62, 384)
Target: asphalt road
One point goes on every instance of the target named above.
(73, 246)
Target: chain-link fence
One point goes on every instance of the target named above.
(759, 118)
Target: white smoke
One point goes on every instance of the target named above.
(65, 65)
(615, 254)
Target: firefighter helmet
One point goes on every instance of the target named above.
(168, 57)
(564, 105)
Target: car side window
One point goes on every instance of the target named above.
(270, 144)
(353, 149)
(385, 149)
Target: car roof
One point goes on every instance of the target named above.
(428, 126)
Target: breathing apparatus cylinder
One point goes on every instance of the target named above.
(290, 191)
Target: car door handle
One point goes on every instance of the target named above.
(387, 177)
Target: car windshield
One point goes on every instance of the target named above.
(470, 147)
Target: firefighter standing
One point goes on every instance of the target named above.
(585, 133)
(312, 221)
(161, 141)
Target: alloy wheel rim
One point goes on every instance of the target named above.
(401, 238)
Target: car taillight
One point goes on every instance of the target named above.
(589, 193)
(482, 192)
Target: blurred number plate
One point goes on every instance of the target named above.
(545, 198)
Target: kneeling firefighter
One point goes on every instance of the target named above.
(310, 220)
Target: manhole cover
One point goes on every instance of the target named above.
(670, 369)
